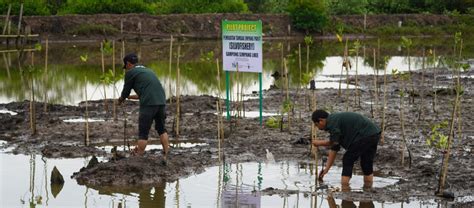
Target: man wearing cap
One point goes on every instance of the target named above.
(152, 98)
(356, 134)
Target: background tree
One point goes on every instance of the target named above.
(308, 15)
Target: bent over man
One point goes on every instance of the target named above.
(356, 134)
(152, 98)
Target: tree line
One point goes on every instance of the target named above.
(330, 7)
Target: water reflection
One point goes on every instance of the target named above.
(64, 82)
(148, 197)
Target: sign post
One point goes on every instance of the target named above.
(242, 51)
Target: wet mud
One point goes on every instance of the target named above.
(246, 141)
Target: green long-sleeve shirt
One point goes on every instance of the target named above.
(345, 128)
(146, 84)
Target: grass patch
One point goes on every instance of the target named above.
(93, 29)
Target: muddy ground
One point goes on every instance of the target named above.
(245, 141)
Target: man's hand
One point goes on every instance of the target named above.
(323, 172)
(120, 100)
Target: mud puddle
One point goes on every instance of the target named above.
(220, 186)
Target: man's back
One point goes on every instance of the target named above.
(348, 127)
(146, 85)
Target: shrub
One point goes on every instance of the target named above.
(308, 15)
(30, 7)
(107, 6)
(201, 6)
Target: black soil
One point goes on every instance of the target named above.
(246, 141)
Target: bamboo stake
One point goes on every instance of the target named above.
(177, 92)
(435, 97)
(420, 113)
(113, 70)
(45, 106)
(219, 99)
(87, 113)
(376, 91)
(7, 19)
(299, 81)
(20, 19)
(169, 69)
(382, 139)
(287, 93)
(357, 101)
(218, 130)
(444, 171)
(347, 65)
(33, 107)
(103, 74)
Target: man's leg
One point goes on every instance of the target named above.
(165, 143)
(160, 119)
(141, 146)
(368, 181)
(345, 183)
(144, 125)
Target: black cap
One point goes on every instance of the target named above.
(131, 58)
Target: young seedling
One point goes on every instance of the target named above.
(402, 77)
(407, 43)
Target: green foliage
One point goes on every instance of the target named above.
(267, 6)
(286, 106)
(90, 29)
(108, 7)
(308, 15)
(38, 47)
(273, 122)
(107, 46)
(30, 7)
(306, 78)
(84, 58)
(201, 6)
(437, 139)
(338, 7)
(109, 77)
(308, 40)
(406, 42)
(207, 57)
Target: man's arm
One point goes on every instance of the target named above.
(135, 97)
(320, 142)
(331, 157)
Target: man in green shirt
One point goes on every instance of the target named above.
(356, 134)
(152, 98)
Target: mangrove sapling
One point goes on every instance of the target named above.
(407, 43)
(402, 77)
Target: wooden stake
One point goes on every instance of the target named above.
(115, 74)
(169, 69)
(45, 106)
(177, 92)
(382, 139)
(103, 74)
(87, 141)
(7, 19)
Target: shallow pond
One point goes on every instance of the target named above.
(26, 182)
(67, 78)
